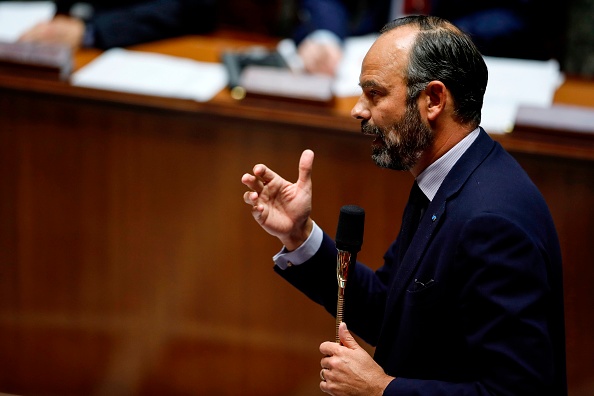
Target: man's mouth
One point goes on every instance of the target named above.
(369, 130)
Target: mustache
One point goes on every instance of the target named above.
(369, 129)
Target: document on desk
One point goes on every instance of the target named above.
(512, 82)
(152, 74)
(16, 17)
(346, 82)
(516, 82)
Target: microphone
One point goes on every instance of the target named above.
(349, 238)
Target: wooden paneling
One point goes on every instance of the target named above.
(129, 255)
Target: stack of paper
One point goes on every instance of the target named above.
(16, 17)
(153, 74)
(516, 82)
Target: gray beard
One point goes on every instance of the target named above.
(403, 144)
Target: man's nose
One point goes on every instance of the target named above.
(360, 110)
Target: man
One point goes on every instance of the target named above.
(108, 24)
(474, 305)
(526, 29)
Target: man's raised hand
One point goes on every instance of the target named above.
(282, 208)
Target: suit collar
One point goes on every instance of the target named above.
(453, 182)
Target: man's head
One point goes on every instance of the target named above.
(422, 79)
(444, 53)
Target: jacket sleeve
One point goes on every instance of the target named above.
(331, 15)
(151, 20)
(365, 294)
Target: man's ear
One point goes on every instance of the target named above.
(436, 98)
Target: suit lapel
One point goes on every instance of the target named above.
(453, 182)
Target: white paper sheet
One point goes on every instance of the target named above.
(515, 82)
(347, 76)
(511, 82)
(153, 74)
(16, 17)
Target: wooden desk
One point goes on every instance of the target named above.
(129, 264)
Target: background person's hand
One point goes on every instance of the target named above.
(320, 58)
(60, 30)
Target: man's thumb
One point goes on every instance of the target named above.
(306, 166)
(346, 339)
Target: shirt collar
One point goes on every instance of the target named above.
(431, 178)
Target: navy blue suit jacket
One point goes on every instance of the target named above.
(530, 29)
(475, 306)
(127, 22)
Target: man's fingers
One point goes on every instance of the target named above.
(346, 337)
(264, 175)
(329, 348)
(306, 166)
(255, 182)
(250, 197)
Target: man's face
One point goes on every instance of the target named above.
(401, 136)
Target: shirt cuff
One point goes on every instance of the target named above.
(285, 259)
(89, 35)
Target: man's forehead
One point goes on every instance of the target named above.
(390, 51)
(399, 39)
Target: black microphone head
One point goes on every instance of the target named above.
(349, 233)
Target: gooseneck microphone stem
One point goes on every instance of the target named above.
(349, 238)
(343, 261)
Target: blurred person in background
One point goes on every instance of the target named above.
(525, 29)
(108, 23)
